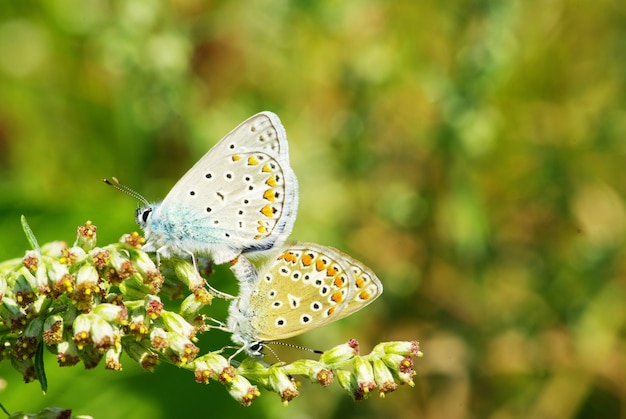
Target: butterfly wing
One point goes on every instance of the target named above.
(304, 287)
(240, 196)
(260, 132)
(367, 286)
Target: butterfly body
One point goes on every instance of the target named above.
(241, 196)
(303, 286)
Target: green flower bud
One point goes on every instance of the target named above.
(134, 240)
(187, 274)
(242, 391)
(405, 348)
(53, 330)
(191, 306)
(159, 339)
(144, 356)
(100, 257)
(364, 373)
(87, 287)
(103, 335)
(86, 236)
(60, 279)
(154, 307)
(82, 330)
(112, 359)
(214, 361)
(282, 384)
(341, 353)
(12, 314)
(314, 370)
(207, 366)
(72, 256)
(384, 378)
(137, 324)
(183, 351)
(54, 249)
(31, 260)
(24, 289)
(202, 373)
(112, 313)
(177, 324)
(67, 354)
(347, 381)
(401, 367)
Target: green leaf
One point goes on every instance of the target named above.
(39, 368)
(29, 234)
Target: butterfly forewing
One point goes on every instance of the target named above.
(240, 198)
(261, 132)
(306, 286)
(242, 194)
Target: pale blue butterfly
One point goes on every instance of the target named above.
(241, 196)
(302, 286)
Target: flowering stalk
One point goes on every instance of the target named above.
(88, 304)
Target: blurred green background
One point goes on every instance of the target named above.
(471, 152)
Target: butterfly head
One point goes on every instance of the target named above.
(241, 336)
(143, 214)
(254, 349)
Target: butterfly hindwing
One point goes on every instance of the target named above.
(306, 286)
(367, 286)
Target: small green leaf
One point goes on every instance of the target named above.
(39, 368)
(29, 234)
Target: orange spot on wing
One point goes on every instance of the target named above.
(288, 257)
(271, 181)
(269, 195)
(267, 211)
(337, 297)
(307, 259)
(252, 161)
(364, 295)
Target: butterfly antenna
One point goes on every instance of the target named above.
(125, 189)
(272, 351)
(291, 345)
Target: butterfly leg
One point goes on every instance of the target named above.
(158, 258)
(193, 260)
(218, 325)
(217, 293)
(237, 352)
(212, 291)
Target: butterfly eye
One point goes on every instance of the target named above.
(142, 214)
(255, 348)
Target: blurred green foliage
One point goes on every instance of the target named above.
(472, 153)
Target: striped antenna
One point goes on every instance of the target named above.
(125, 189)
(291, 345)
